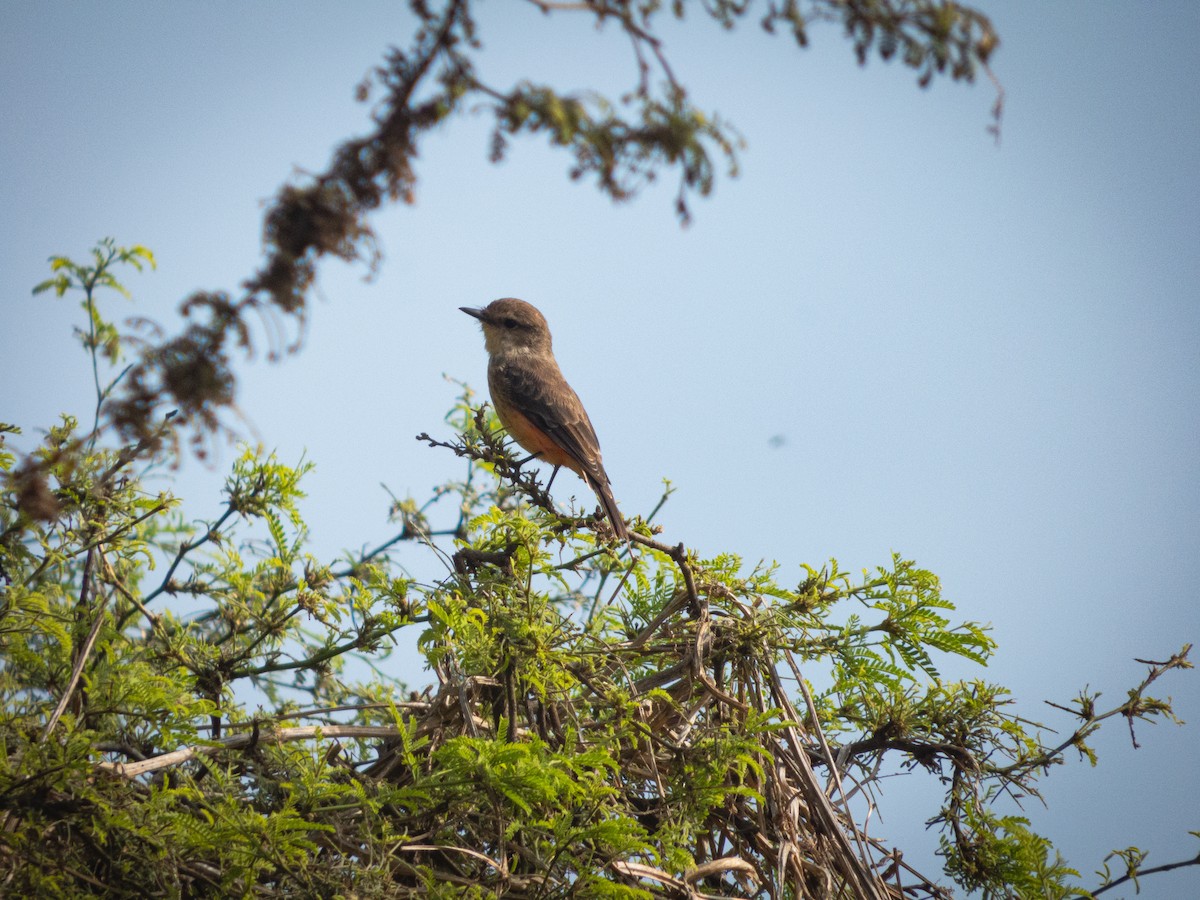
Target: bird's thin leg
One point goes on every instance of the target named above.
(552, 474)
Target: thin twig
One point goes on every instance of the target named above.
(1153, 870)
(249, 739)
(82, 653)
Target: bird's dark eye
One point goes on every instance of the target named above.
(511, 323)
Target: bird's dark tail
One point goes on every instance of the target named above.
(605, 496)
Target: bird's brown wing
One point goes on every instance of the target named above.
(535, 394)
(543, 396)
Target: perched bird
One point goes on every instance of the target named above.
(534, 402)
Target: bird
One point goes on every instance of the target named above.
(536, 406)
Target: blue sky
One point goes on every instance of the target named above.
(888, 333)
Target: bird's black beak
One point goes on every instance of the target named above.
(476, 313)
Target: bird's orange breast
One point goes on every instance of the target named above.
(533, 439)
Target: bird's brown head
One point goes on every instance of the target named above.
(512, 326)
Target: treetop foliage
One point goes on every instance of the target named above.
(202, 708)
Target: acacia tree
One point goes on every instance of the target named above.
(179, 716)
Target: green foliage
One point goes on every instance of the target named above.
(101, 339)
(188, 708)
(1000, 857)
(604, 721)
